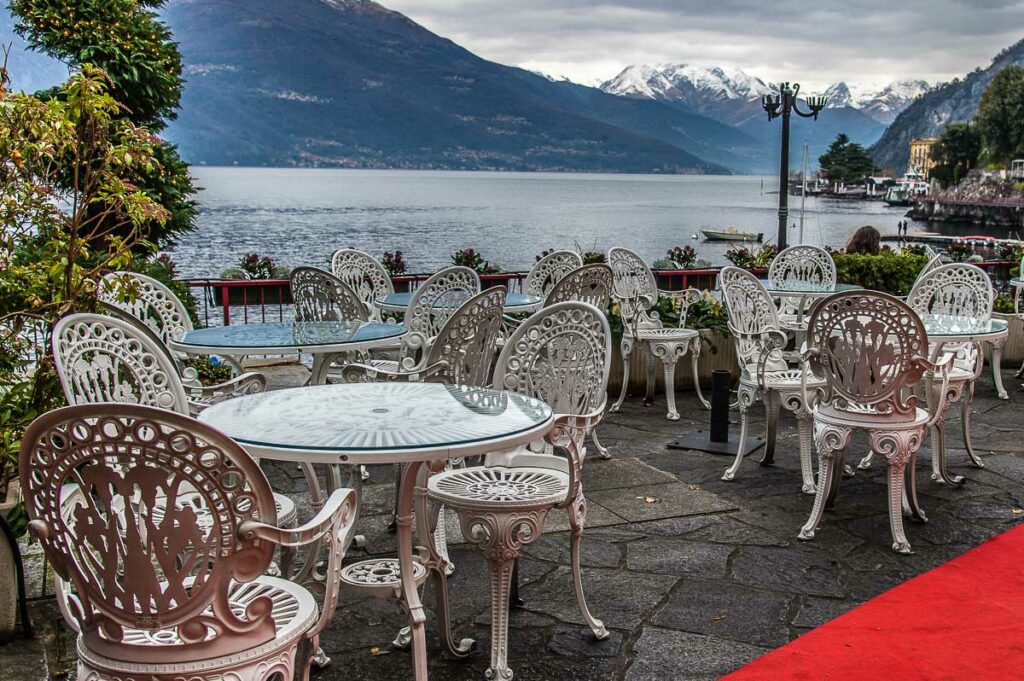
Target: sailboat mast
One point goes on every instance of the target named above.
(803, 194)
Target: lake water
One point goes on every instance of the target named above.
(300, 216)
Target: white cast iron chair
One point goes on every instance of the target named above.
(871, 349)
(765, 375)
(177, 590)
(364, 275)
(636, 292)
(561, 355)
(955, 290)
(549, 270)
(319, 296)
(806, 264)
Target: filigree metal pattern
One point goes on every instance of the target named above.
(130, 567)
(804, 263)
(319, 296)
(588, 284)
(149, 301)
(364, 275)
(956, 290)
(549, 270)
(433, 303)
(560, 355)
(103, 359)
(465, 346)
(497, 485)
(634, 286)
(868, 345)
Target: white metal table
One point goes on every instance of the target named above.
(804, 291)
(514, 302)
(322, 340)
(959, 330)
(418, 424)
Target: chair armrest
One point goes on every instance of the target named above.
(806, 354)
(365, 373)
(334, 524)
(941, 368)
(567, 434)
(190, 378)
(202, 396)
(774, 342)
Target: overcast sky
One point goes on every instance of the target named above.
(813, 42)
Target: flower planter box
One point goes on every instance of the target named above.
(723, 358)
(1013, 348)
(252, 292)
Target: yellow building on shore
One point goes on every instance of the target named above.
(921, 160)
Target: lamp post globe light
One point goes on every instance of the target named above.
(784, 104)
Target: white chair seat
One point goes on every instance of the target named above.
(518, 488)
(666, 334)
(294, 612)
(781, 379)
(867, 418)
(380, 576)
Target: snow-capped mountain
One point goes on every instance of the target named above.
(683, 81)
(882, 104)
(704, 89)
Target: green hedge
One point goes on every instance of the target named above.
(889, 271)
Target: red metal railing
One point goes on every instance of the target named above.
(242, 294)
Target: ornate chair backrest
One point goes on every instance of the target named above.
(467, 341)
(116, 312)
(319, 296)
(149, 301)
(868, 345)
(752, 316)
(561, 355)
(955, 290)
(364, 275)
(137, 559)
(805, 263)
(588, 284)
(105, 359)
(634, 287)
(436, 300)
(549, 270)
(934, 261)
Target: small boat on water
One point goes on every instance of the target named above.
(908, 189)
(731, 234)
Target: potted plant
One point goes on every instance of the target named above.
(394, 264)
(469, 257)
(252, 267)
(1013, 348)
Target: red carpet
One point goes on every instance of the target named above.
(964, 620)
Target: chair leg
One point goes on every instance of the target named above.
(501, 536)
(577, 517)
(770, 399)
(900, 446)
(602, 451)
(806, 425)
(910, 492)
(830, 442)
(744, 399)
(694, 359)
(627, 348)
(997, 369)
(940, 472)
(965, 421)
(669, 363)
(650, 380)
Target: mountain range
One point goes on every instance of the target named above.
(928, 115)
(720, 90)
(350, 83)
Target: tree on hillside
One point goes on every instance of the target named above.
(845, 161)
(1000, 117)
(127, 40)
(955, 152)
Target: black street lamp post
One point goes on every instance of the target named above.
(783, 104)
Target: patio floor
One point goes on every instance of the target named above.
(693, 576)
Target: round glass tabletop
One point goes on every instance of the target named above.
(378, 422)
(807, 288)
(965, 327)
(275, 337)
(514, 302)
(1017, 282)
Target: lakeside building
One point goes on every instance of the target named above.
(921, 160)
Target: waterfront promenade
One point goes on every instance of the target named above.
(693, 576)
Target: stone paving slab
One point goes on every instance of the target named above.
(691, 585)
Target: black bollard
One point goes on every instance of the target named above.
(720, 379)
(717, 439)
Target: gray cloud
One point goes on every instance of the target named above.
(815, 42)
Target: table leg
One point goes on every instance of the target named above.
(410, 594)
(997, 368)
